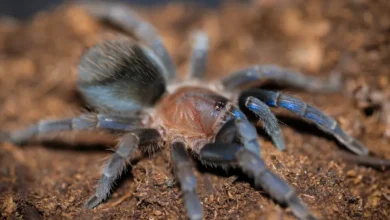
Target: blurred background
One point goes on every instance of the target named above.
(25, 8)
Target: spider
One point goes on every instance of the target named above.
(132, 87)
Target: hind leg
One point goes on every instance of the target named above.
(281, 76)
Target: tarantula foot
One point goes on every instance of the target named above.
(355, 146)
(299, 208)
(14, 138)
(19, 137)
(279, 143)
(359, 147)
(93, 202)
(193, 206)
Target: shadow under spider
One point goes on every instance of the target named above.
(82, 147)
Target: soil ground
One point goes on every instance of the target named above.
(38, 61)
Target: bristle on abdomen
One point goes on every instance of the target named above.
(119, 75)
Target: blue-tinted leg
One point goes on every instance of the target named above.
(262, 111)
(279, 190)
(121, 15)
(280, 76)
(187, 180)
(228, 133)
(247, 135)
(83, 122)
(312, 114)
(252, 164)
(199, 55)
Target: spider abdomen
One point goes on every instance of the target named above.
(118, 75)
(193, 111)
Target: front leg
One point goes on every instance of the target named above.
(270, 123)
(310, 113)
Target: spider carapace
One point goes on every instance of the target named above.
(195, 111)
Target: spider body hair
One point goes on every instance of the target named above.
(118, 75)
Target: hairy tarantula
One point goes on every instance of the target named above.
(133, 88)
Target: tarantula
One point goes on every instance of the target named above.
(133, 89)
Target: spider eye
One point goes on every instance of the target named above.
(219, 105)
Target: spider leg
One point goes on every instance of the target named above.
(252, 164)
(187, 180)
(281, 76)
(113, 168)
(227, 133)
(262, 111)
(370, 161)
(312, 114)
(199, 55)
(83, 122)
(121, 15)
